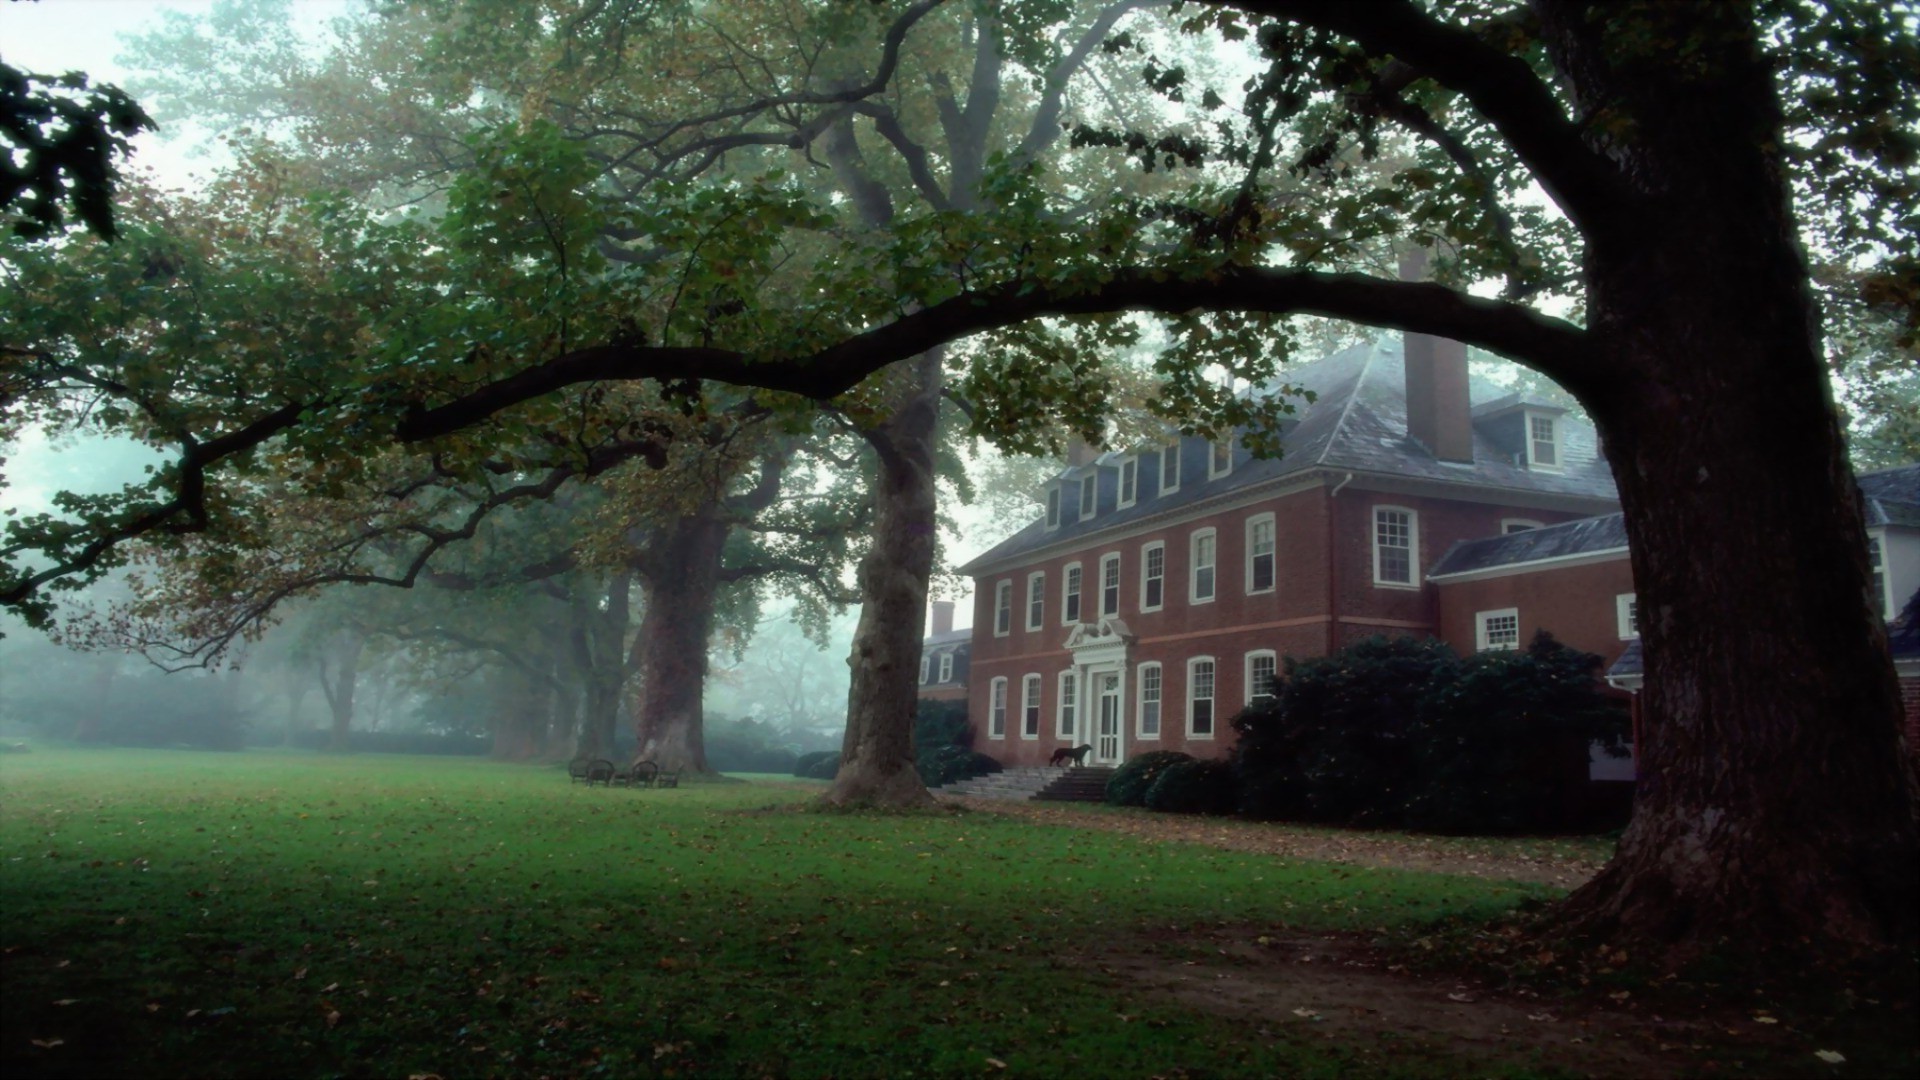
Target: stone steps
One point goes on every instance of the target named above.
(1078, 784)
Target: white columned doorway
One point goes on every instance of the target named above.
(1100, 663)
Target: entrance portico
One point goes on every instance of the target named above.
(1099, 651)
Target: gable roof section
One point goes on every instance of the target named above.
(1893, 496)
(1356, 423)
(1569, 539)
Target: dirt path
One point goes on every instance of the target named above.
(1563, 864)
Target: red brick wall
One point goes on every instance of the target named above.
(1575, 603)
(1910, 699)
(1291, 620)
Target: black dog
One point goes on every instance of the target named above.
(1077, 753)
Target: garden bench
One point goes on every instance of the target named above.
(600, 771)
(667, 779)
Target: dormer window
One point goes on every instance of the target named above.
(1220, 463)
(1089, 488)
(1543, 442)
(1129, 481)
(1053, 507)
(1170, 468)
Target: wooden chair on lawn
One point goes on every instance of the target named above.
(577, 770)
(639, 774)
(600, 771)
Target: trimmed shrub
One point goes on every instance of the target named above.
(942, 743)
(804, 765)
(1129, 784)
(1192, 787)
(945, 764)
(825, 768)
(1406, 734)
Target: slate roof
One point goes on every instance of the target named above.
(1904, 632)
(1587, 536)
(1893, 496)
(951, 637)
(1629, 662)
(1357, 423)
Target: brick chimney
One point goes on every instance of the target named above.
(1439, 408)
(942, 617)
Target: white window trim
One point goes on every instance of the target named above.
(1053, 506)
(1030, 699)
(1214, 470)
(1413, 546)
(1193, 565)
(925, 665)
(1273, 531)
(1066, 579)
(1144, 548)
(1089, 495)
(1559, 441)
(1507, 525)
(1877, 566)
(1140, 709)
(1173, 449)
(997, 708)
(1212, 699)
(1246, 672)
(1482, 618)
(1037, 590)
(1060, 729)
(1625, 614)
(946, 666)
(1003, 601)
(1122, 497)
(1119, 583)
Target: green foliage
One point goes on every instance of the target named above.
(60, 137)
(819, 765)
(1130, 782)
(1404, 733)
(943, 744)
(746, 745)
(1192, 787)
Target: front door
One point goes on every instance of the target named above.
(1106, 742)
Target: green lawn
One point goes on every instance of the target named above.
(265, 914)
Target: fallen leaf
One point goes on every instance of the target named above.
(333, 1019)
(1463, 998)
(1621, 995)
(66, 1001)
(1766, 1020)
(1831, 1057)
(1305, 1013)
(996, 1063)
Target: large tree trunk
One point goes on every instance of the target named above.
(1776, 805)
(876, 757)
(682, 579)
(337, 681)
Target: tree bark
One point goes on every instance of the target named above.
(876, 756)
(1776, 806)
(681, 579)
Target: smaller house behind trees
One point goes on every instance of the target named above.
(943, 657)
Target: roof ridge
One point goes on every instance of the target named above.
(1346, 410)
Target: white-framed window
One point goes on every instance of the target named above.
(1626, 612)
(1070, 595)
(1877, 563)
(1053, 507)
(1002, 608)
(1149, 723)
(1036, 599)
(1129, 481)
(1543, 442)
(925, 662)
(1200, 697)
(1089, 495)
(1260, 555)
(1509, 526)
(1153, 575)
(1064, 723)
(1220, 459)
(1110, 584)
(1263, 675)
(1396, 538)
(997, 709)
(1030, 707)
(1170, 468)
(1496, 629)
(946, 667)
(1202, 548)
